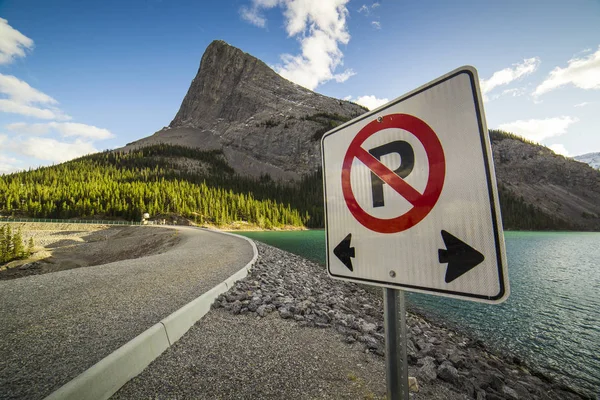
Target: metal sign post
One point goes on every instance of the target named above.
(395, 344)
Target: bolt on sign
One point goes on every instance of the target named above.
(411, 200)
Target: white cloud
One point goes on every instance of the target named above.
(376, 24)
(559, 149)
(28, 129)
(344, 76)
(253, 16)
(69, 129)
(21, 92)
(366, 9)
(66, 129)
(583, 73)
(53, 150)
(516, 92)
(10, 106)
(320, 27)
(20, 98)
(539, 129)
(8, 164)
(12, 43)
(510, 74)
(585, 103)
(368, 101)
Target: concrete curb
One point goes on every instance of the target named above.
(108, 375)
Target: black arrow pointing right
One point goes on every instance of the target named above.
(461, 257)
(344, 252)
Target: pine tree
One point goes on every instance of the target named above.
(18, 249)
(7, 243)
(3, 255)
(30, 247)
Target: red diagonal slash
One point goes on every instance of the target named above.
(388, 176)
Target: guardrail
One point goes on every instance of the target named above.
(68, 221)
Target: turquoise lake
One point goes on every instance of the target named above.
(552, 317)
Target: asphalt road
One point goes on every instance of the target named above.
(55, 326)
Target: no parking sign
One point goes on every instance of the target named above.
(411, 199)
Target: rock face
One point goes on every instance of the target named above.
(557, 185)
(263, 122)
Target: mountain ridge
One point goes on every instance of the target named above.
(262, 122)
(208, 165)
(268, 126)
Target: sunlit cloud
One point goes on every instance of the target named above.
(320, 28)
(539, 129)
(510, 74)
(65, 129)
(583, 73)
(13, 44)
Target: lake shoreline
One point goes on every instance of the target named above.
(293, 287)
(549, 320)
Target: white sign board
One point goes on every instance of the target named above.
(411, 200)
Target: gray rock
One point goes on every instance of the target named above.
(494, 396)
(509, 393)
(434, 340)
(262, 310)
(428, 372)
(369, 341)
(236, 307)
(368, 328)
(425, 360)
(425, 348)
(284, 313)
(447, 372)
(457, 360)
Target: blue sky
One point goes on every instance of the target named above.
(79, 76)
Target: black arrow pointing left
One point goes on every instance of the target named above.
(461, 257)
(344, 252)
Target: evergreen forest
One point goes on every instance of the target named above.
(198, 185)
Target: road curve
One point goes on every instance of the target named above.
(55, 326)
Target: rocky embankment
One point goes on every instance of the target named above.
(296, 289)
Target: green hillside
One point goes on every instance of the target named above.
(125, 185)
(198, 185)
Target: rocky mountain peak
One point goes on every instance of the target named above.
(263, 122)
(224, 72)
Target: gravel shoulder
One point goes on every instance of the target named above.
(289, 331)
(226, 356)
(56, 325)
(62, 246)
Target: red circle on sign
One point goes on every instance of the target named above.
(422, 203)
